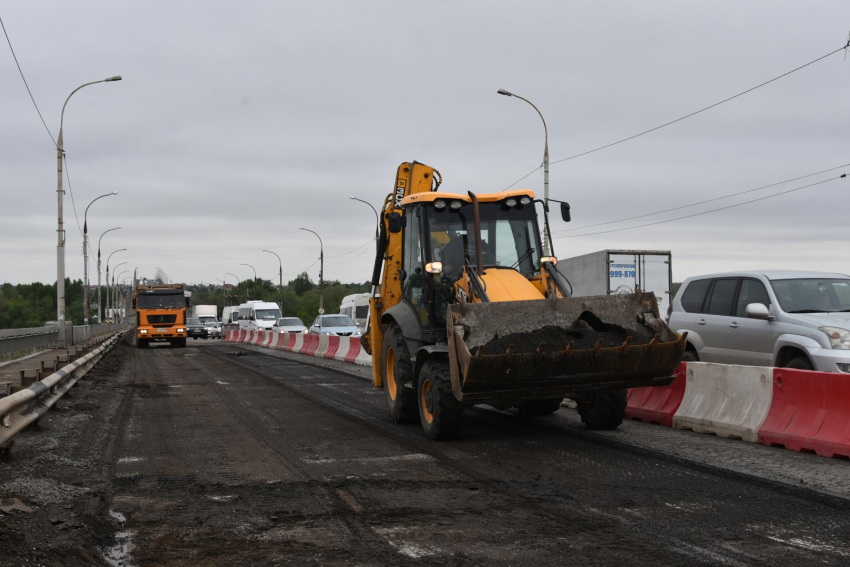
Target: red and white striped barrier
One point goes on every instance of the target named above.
(796, 409)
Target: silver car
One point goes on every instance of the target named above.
(767, 318)
(339, 325)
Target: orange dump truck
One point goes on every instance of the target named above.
(160, 314)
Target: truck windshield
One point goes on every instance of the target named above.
(267, 314)
(161, 301)
(508, 237)
(812, 295)
(290, 322)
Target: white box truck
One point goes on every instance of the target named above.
(357, 307)
(205, 313)
(621, 271)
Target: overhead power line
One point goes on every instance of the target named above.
(351, 251)
(696, 112)
(71, 192)
(842, 176)
(32, 98)
(701, 202)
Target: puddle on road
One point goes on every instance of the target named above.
(119, 554)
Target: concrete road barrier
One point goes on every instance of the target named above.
(724, 399)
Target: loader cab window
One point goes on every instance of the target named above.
(509, 238)
(413, 285)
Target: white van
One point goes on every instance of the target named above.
(229, 315)
(357, 307)
(258, 315)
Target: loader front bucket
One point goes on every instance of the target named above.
(525, 350)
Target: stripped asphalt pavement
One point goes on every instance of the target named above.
(220, 455)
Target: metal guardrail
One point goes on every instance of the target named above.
(27, 406)
(19, 342)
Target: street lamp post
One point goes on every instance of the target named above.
(238, 283)
(117, 291)
(111, 291)
(377, 217)
(61, 340)
(321, 270)
(99, 303)
(254, 285)
(86, 259)
(223, 290)
(546, 250)
(108, 258)
(280, 285)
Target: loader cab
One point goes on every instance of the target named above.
(439, 239)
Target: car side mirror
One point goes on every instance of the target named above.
(394, 222)
(758, 311)
(565, 212)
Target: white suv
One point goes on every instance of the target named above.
(768, 318)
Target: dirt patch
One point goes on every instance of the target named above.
(583, 334)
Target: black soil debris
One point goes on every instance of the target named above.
(581, 334)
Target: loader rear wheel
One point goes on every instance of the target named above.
(397, 371)
(539, 407)
(603, 410)
(439, 410)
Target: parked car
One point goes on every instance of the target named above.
(339, 325)
(768, 318)
(289, 325)
(195, 329)
(213, 329)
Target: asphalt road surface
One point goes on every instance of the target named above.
(218, 455)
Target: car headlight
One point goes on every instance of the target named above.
(327, 333)
(143, 331)
(839, 338)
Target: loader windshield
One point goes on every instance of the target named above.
(509, 238)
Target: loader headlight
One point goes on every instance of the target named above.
(511, 202)
(439, 204)
(525, 201)
(838, 338)
(550, 259)
(434, 267)
(456, 205)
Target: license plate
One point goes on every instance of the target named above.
(162, 330)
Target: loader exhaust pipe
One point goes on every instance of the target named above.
(476, 220)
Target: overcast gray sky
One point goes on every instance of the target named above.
(238, 122)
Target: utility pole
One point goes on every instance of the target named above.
(86, 259)
(321, 271)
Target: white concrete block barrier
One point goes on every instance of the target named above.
(724, 399)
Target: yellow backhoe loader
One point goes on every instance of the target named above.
(466, 310)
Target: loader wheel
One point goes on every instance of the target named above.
(439, 410)
(603, 410)
(397, 371)
(539, 407)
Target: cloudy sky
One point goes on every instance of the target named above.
(238, 122)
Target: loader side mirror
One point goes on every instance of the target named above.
(394, 222)
(565, 212)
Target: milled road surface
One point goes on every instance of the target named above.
(216, 455)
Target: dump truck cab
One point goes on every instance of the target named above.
(466, 309)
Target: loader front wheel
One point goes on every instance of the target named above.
(603, 410)
(398, 371)
(439, 410)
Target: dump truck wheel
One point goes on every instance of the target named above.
(397, 370)
(603, 410)
(439, 410)
(538, 407)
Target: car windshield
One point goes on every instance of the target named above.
(508, 237)
(337, 321)
(267, 314)
(161, 301)
(193, 322)
(209, 324)
(813, 295)
(290, 322)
